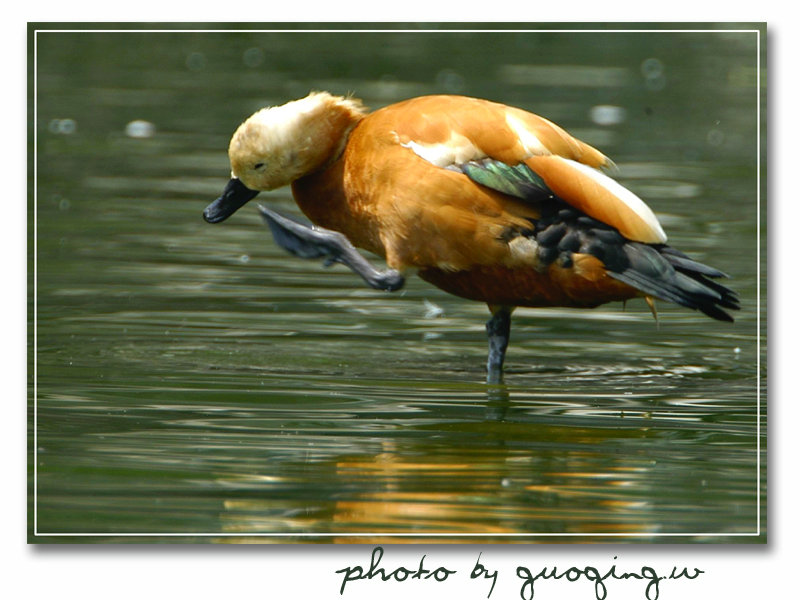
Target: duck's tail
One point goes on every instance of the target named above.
(661, 271)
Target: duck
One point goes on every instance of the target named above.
(485, 201)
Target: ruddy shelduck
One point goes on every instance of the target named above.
(485, 201)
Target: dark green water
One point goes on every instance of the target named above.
(193, 380)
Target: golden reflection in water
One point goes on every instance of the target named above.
(498, 493)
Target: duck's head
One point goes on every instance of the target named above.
(278, 145)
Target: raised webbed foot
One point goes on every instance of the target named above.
(316, 242)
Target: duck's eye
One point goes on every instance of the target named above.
(258, 166)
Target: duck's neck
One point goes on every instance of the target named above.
(323, 125)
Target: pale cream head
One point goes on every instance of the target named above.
(278, 145)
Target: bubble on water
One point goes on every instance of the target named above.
(653, 72)
(652, 68)
(140, 129)
(63, 126)
(606, 114)
(68, 126)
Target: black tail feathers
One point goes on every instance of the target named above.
(665, 273)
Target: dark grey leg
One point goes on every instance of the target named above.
(317, 242)
(498, 328)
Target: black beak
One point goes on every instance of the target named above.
(234, 196)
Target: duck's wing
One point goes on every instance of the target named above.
(588, 190)
(522, 155)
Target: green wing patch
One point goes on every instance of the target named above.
(518, 181)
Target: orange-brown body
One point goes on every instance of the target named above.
(417, 215)
(557, 286)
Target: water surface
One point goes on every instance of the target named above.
(194, 383)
